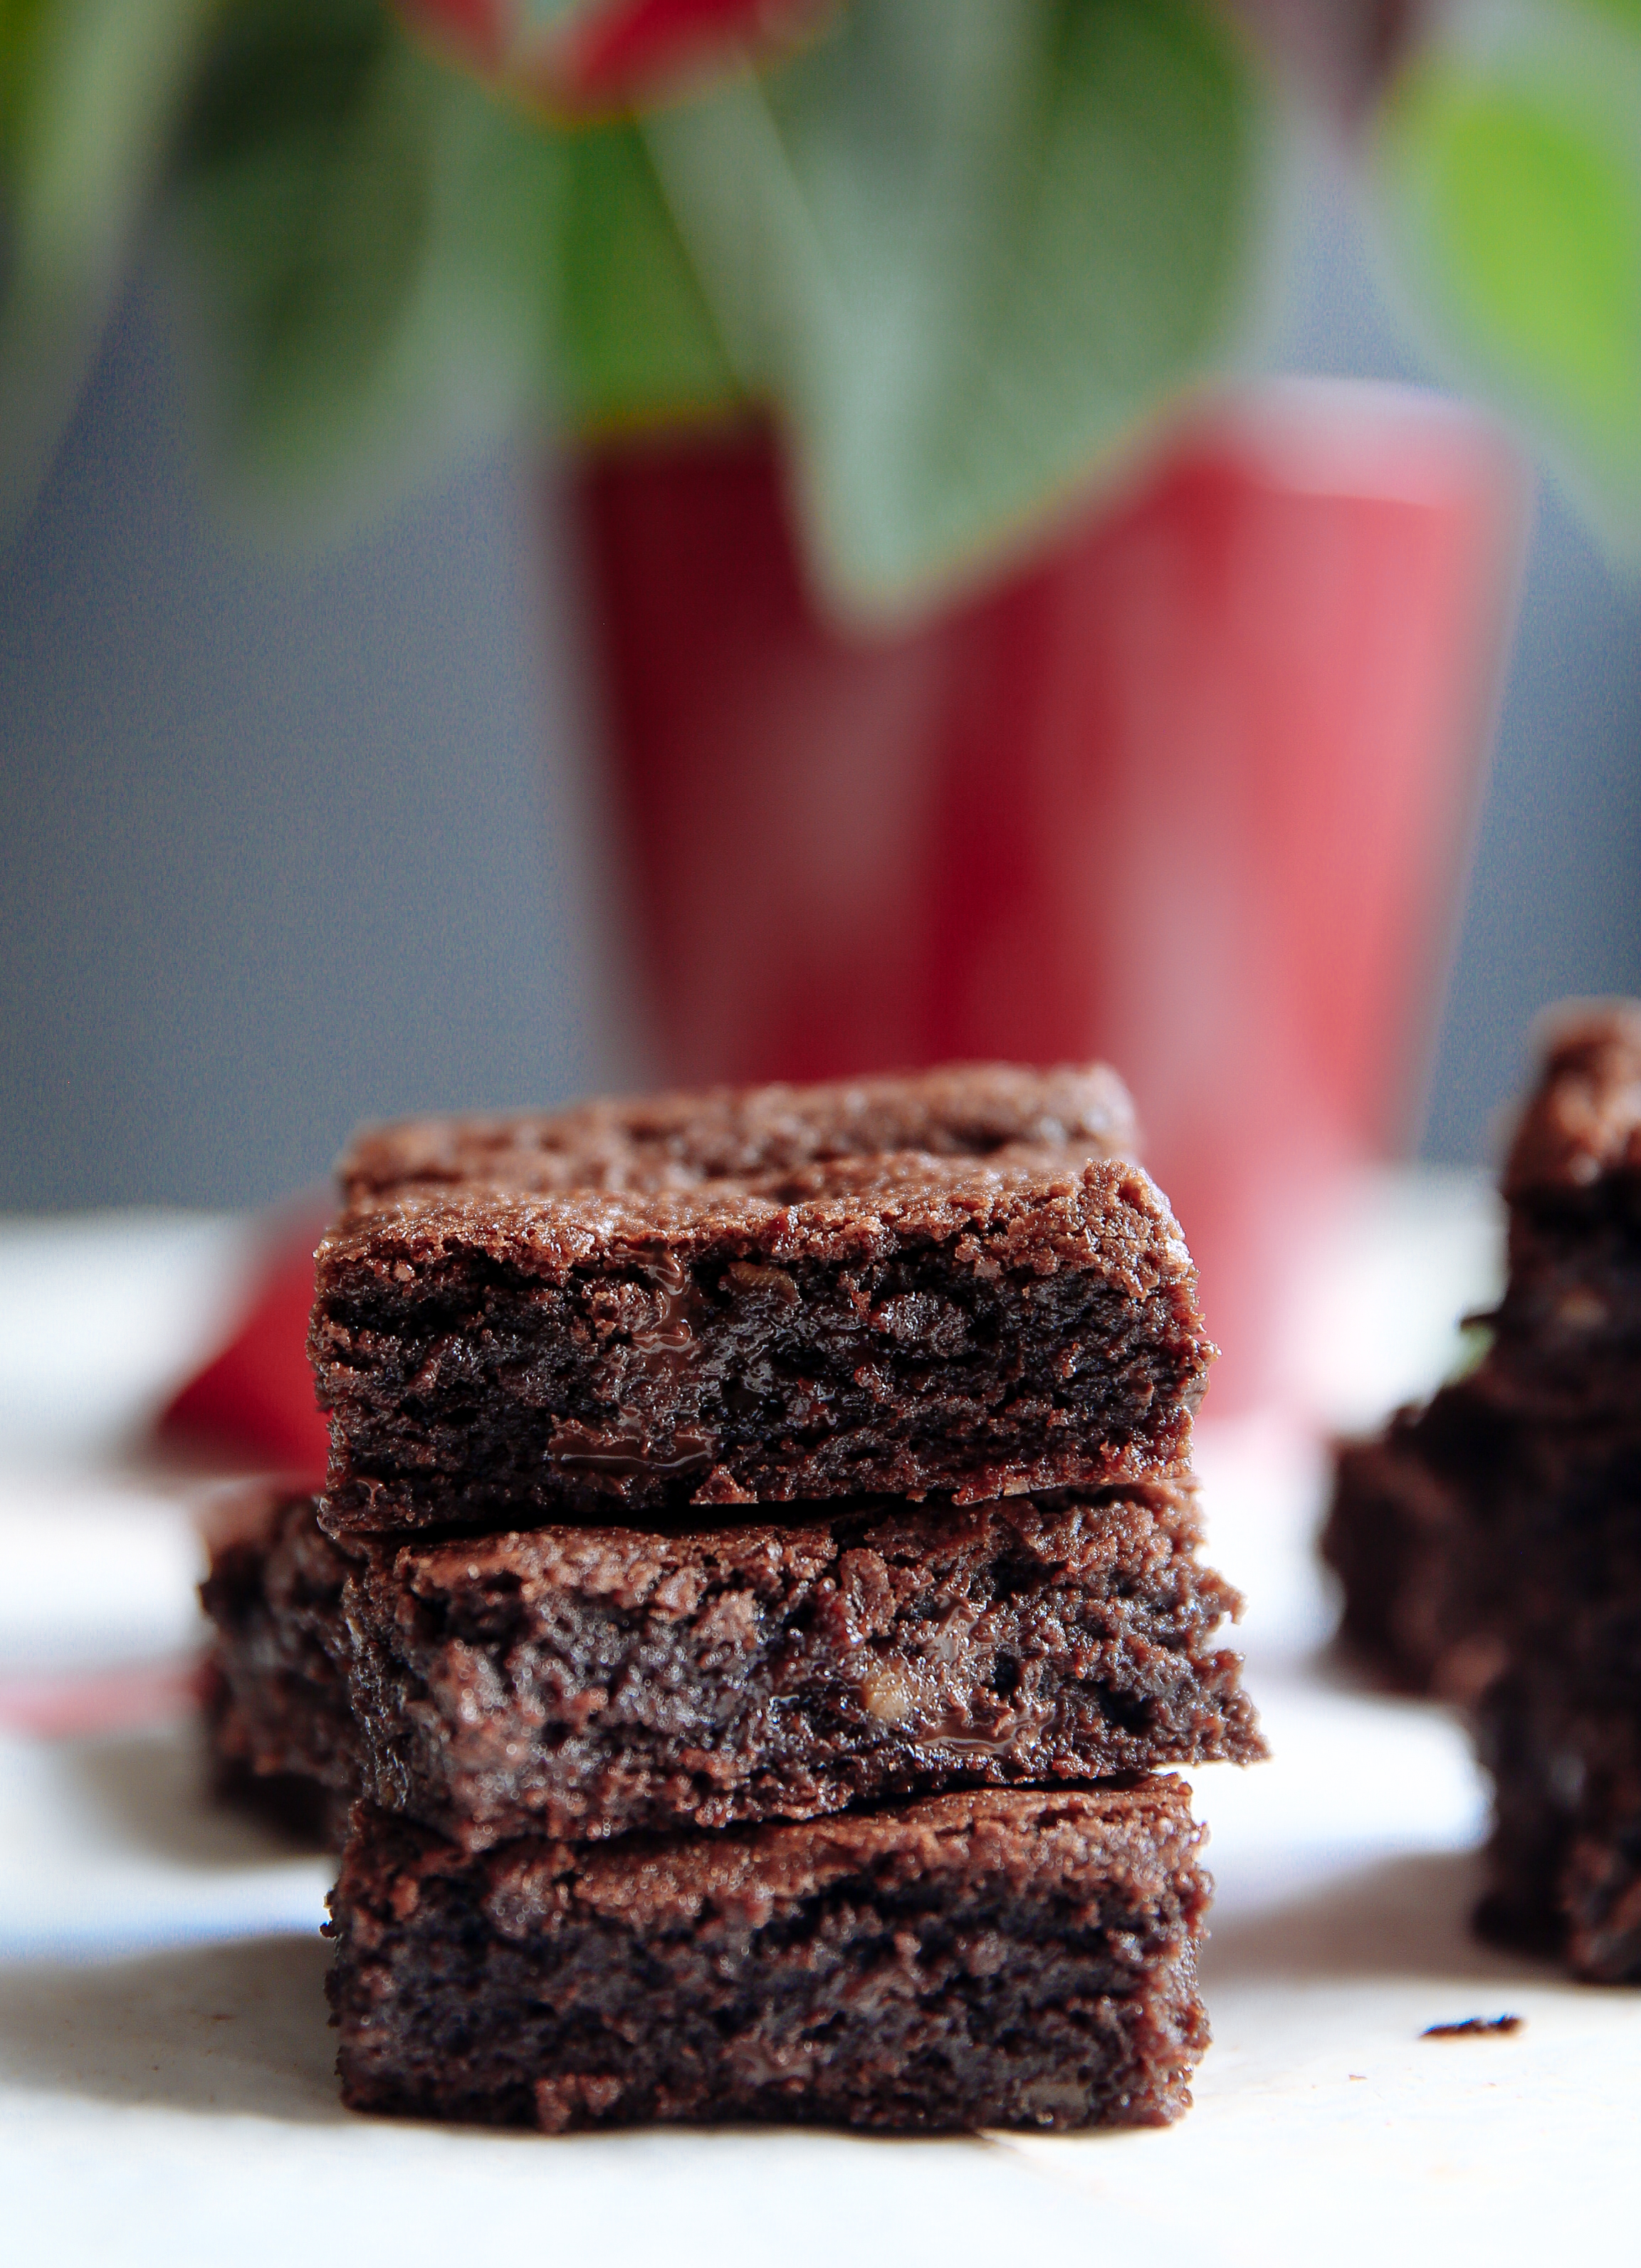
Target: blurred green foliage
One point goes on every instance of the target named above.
(962, 250)
(90, 94)
(964, 246)
(1509, 167)
(369, 236)
(636, 344)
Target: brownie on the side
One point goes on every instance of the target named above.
(276, 1701)
(1490, 1546)
(1560, 1730)
(583, 1681)
(904, 1323)
(1564, 1859)
(989, 1959)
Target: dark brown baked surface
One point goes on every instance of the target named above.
(586, 1682)
(900, 1325)
(988, 1959)
(1409, 1533)
(276, 1701)
(1385, 1537)
(756, 1137)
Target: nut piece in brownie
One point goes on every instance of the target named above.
(809, 1320)
(276, 1705)
(989, 1959)
(1492, 1546)
(584, 1682)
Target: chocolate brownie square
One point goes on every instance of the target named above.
(768, 1314)
(584, 1682)
(988, 1959)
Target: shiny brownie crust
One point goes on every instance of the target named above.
(992, 1958)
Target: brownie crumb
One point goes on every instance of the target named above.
(1473, 2028)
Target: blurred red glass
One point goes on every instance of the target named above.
(1192, 793)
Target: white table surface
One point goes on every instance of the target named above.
(165, 2089)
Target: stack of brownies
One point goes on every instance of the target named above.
(1490, 1544)
(755, 1584)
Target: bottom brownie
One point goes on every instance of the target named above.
(989, 1959)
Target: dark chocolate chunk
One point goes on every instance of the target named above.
(1475, 2028)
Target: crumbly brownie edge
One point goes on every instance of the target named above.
(588, 1681)
(1002, 1959)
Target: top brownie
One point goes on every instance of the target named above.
(953, 1283)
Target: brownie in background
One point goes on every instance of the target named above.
(1489, 1546)
(276, 1704)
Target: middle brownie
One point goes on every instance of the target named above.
(584, 1682)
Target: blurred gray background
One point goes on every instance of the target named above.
(292, 841)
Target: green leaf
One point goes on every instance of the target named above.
(93, 89)
(1508, 165)
(967, 247)
(374, 241)
(636, 344)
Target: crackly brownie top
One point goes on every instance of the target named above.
(1021, 1208)
(782, 1143)
(1138, 1836)
(1584, 1120)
